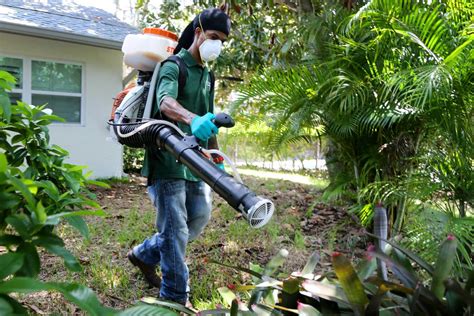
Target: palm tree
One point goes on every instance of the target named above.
(383, 85)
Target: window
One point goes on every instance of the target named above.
(57, 84)
(15, 67)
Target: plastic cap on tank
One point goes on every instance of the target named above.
(161, 32)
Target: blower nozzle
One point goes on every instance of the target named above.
(259, 212)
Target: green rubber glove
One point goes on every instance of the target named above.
(202, 126)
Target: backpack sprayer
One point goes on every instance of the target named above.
(133, 126)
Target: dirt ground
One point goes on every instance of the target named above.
(302, 224)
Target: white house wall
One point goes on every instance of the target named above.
(87, 143)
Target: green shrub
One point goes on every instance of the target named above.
(133, 159)
(37, 190)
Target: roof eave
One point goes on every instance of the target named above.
(58, 35)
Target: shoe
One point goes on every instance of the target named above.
(189, 305)
(149, 272)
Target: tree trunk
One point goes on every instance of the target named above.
(318, 153)
(302, 164)
(399, 211)
(245, 153)
(333, 163)
(305, 6)
(462, 208)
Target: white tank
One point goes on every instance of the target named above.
(144, 51)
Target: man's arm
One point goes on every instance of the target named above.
(212, 143)
(175, 111)
(201, 126)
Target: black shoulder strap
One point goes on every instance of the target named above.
(213, 80)
(183, 71)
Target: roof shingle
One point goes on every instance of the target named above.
(65, 17)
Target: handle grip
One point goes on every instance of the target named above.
(223, 120)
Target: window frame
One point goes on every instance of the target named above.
(27, 91)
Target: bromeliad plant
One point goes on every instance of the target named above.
(37, 190)
(384, 282)
(354, 291)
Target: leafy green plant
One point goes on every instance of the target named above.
(427, 227)
(431, 218)
(133, 159)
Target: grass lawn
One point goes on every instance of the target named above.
(302, 224)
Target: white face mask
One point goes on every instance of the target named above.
(210, 50)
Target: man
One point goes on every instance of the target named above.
(182, 201)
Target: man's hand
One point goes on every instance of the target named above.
(202, 126)
(218, 161)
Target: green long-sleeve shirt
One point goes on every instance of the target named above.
(196, 97)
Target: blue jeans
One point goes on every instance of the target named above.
(183, 210)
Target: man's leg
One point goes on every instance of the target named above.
(172, 238)
(147, 255)
(198, 204)
(149, 252)
(152, 191)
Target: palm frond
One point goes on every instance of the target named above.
(428, 227)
